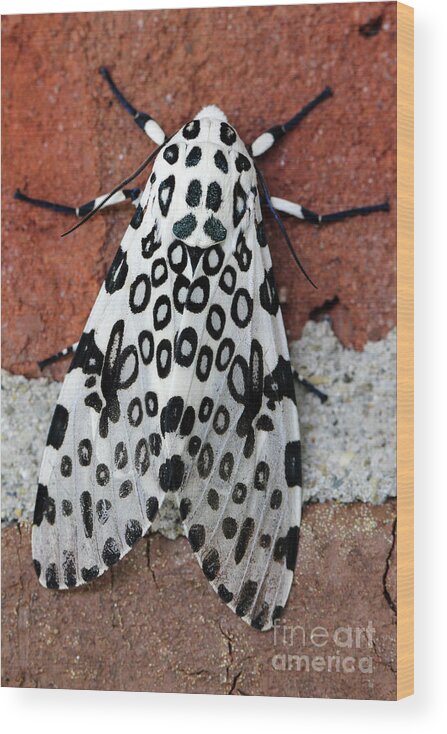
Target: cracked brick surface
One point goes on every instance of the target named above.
(153, 622)
(65, 139)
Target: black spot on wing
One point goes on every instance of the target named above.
(194, 254)
(215, 230)
(213, 259)
(276, 499)
(151, 508)
(293, 464)
(171, 474)
(227, 134)
(242, 308)
(261, 618)
(151, 403)
(134, 415)
(162, 312)
(239, 203)
(88, 574)
(87, 513)
(184, 227)
(194, 193)
(116, 277)
(243, 253)
(242, 163)
(244, 538)
(246, 598)
(85, 452)
(196, 537)
(260, 234)
(188, 421)
(159, 273)
(137, 218)
(279, 383)
(102, 475)
(177, 256)
(69, 568)
(103, 508)
(185, 507)
(224, 593)
(268, 294)
(133, 532)
(155, 444)
(165, 192)
(186, 347)
(140, 293)
(194, 156)
(293, 537)
(141, 458)
(125, 489)
(45, 506)
(194, 446)
(204, 363)
(58, 427)
(262, 474)
(287, 548)
(198, 294)
(227, 280)
(88, 356)
(52, 576)
(213, 499)
(66, 466)
(191, 130)
(229, 527)
(211, 564)
(205, 461)
(170, 154)
(150, 243)
(220, 161)
(171, 415)
(110, 552)
(164, 358)
(214, 196)
(67, 508)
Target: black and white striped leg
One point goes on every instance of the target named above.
(309, 386)
(56, 357)
(132, 195)
(296, 210)
(143, 120)
(267, 139)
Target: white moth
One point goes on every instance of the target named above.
(181, 383)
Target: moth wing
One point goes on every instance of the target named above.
(98, 485)
(241, 497)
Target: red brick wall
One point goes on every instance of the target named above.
(66, 139)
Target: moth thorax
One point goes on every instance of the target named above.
(203, 191)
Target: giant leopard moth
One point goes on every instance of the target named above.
(181, 383)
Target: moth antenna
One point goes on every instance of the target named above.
(118, 188)
(282, 227)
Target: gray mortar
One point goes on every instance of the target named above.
(348, 443)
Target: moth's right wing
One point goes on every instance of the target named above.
(98, 486)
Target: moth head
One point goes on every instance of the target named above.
(212, 112)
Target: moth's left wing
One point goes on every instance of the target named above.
(241, 498)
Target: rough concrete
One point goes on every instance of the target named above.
(348, 443)
(64, 138)
(153, 622)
